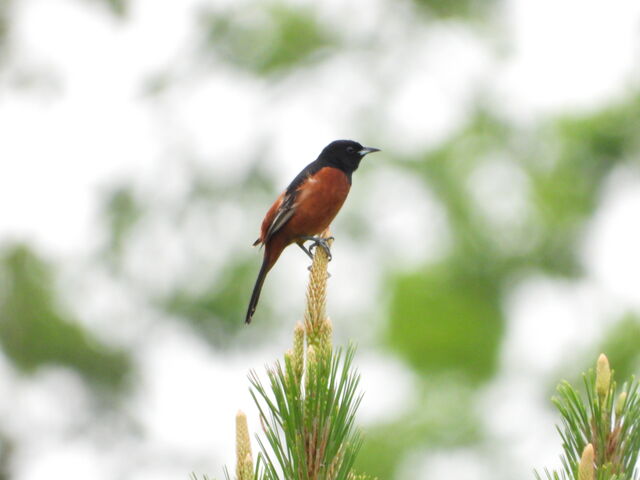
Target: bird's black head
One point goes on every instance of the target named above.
(345, 154)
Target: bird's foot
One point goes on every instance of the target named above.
(320, 242)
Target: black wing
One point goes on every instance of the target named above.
(282, 216)
(288, 206)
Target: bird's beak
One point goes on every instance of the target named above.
(366, 150)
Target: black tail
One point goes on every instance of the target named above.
(255, 296)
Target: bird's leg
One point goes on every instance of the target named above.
(319, 241)
(304, 249)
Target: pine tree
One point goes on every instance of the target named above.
(307, 407)
(600, 437)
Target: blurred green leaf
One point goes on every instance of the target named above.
(467, 9)
(620, 343)
(117, 7)
(446, 320)
(267, 39)
(6, 452)
(446, 172)
(622, 346)
(606, 135)
(587, 148)
(443, 415)
(566, 164)
(217, 311)
(121, 212)
(35, 331)
(5, 6)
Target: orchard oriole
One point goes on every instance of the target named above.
(307, 207)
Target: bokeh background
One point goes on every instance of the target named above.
(490, 250)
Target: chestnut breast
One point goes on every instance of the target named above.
(318, 200)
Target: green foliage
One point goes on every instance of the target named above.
(194, 476)
(462, 294)
(4, 27)
(210, 308)
(444, 322)
(456, 8)
(608, 421)
(324, 406)
(6, 451)
(605, 136)
(35, 330)
(117, 7)
(272, 38)
(586, 148)
(121, 212)
(622, 341)
(447, 318)
(213, 312)
(308, 409)
(444, 417)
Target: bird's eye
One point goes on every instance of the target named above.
(350, 149)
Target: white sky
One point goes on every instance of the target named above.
(90, 125)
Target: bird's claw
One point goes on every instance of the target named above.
(322, 242)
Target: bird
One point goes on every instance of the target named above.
(307, 207)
